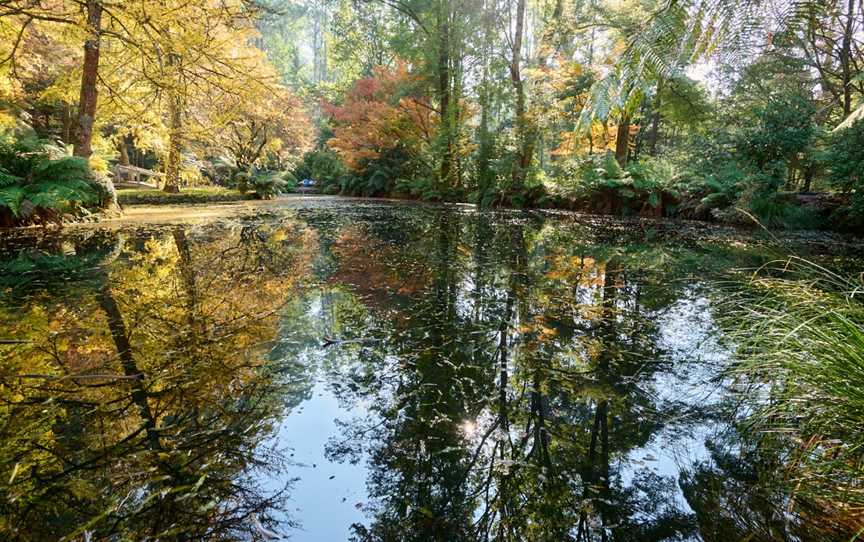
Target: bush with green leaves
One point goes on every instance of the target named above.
(20, 157)
(778, 210)
(322, 166)
(721, 187)
(709, 173)
(598, 183)
(421, 188)
(34, 187)
(291, 182)
(262, 184)
(267, 184)
(374, 182)
(744, 158)
(221, 171)
(844, 159)
(241, 180)
(377, 177)
(781, 130)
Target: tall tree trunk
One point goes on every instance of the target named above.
(808, 177)
(484, 173)
(67, 124)
(175, 135)
(456, 122)
(655, 122)
(444, 90)
(123, 160)
(524, 135)
(485, 143)
(124, 152)
(846, 59)
(622, 141)
(87, 99)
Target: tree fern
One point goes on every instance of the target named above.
(681, 33)
(68, 179)
(268, 184)
(67, 169)
(58, 185)
(21, 157)
(11, 198)
(59, 194)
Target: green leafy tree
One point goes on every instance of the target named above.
(844, 159)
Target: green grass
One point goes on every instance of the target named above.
(800, 338)
(208, 194)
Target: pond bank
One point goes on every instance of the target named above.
(644, 228)
(127, 197)
(683, 229)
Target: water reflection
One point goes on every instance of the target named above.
(509, 390)
(498, 377)
(138, 388)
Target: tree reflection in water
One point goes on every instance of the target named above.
(502, 375)
(507, 390)
(135, 406)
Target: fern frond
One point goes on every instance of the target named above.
(11, 198)
(67, 169)
(681, 33)
(7, 179)
(58, 194)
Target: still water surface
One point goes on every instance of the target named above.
(375, 372)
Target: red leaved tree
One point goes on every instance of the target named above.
(380, 113)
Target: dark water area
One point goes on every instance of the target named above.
(378, 372)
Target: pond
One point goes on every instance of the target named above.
(335, 370)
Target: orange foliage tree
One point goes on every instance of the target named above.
(381, 113)
(561, 95)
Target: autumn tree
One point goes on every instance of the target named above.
(252, 129)
(380, 113)
(154, 66)
(33, 19)
(184, 64)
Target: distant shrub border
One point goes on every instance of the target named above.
(189, 195)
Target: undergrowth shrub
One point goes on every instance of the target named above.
(263, 184)
(322, 166)
(376, 180)
(769, 209)
(598, 183)
(36, 188)
(845, 160)
(241, 181)
(291, 182)
(421, 188)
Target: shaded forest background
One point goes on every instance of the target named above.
(715, 110)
